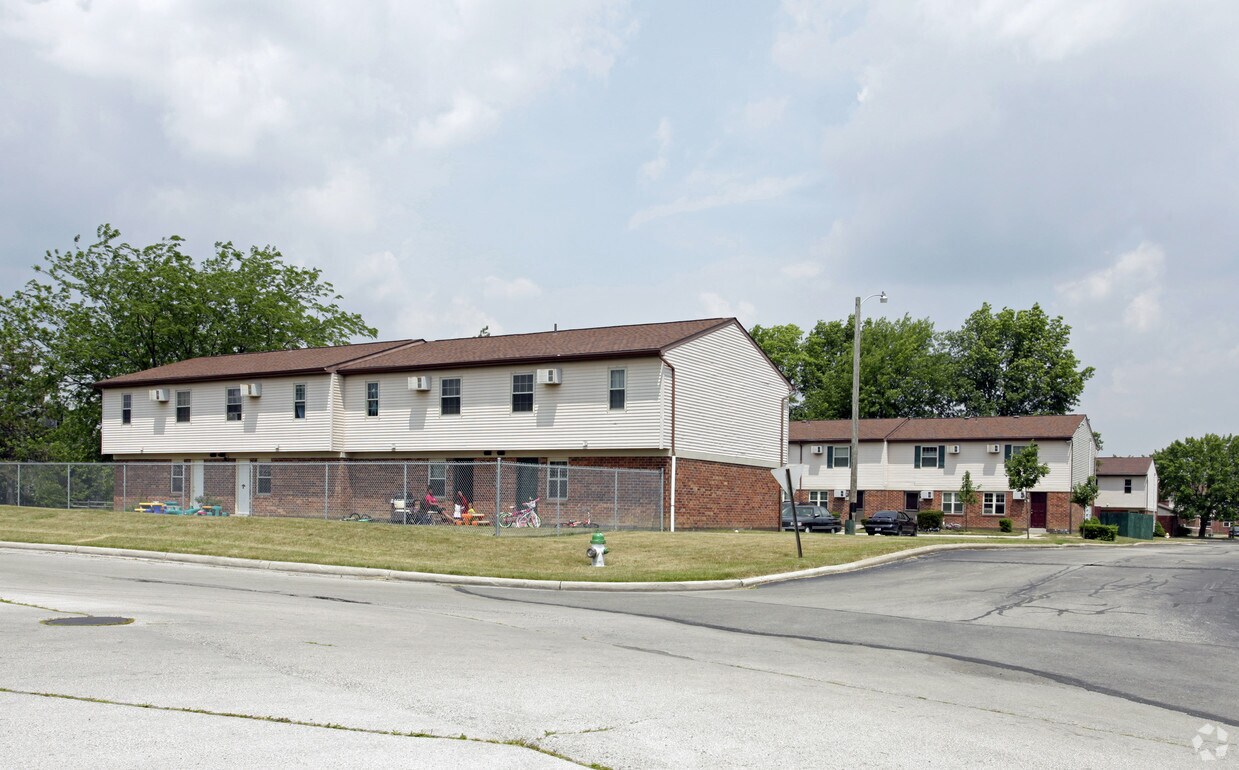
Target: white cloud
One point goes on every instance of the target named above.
(227, 82)
(494, 287)
(727, 193)
(801, 270)
(345, 202)
(764, 113)
(653, 169)
(717, 307)
(1130, 288)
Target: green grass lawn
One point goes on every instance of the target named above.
(634, 556)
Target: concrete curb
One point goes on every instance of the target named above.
(498, 582)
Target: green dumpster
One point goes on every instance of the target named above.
(1131, 523)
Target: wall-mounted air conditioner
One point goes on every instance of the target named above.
(927, 494)
(252, 389)
(419, 383)
(817, 449)
(994, 448)
(841, 494)
(954, 449)
(1018, 494)
(159, 394)
(550, 376)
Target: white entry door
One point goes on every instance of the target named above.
(243, 488)
(197, 486)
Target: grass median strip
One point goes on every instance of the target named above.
(634, 556)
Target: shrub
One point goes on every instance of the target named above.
(1005, 524)
(929, 520)
(1091, 529)
(1159, 530)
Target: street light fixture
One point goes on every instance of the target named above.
(854, 459)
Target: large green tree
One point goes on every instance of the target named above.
(1201, 476)
(111, 308)
(903, 370)
(1015, 362)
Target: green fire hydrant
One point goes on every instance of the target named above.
(598, 549)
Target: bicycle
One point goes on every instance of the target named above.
(526, 516)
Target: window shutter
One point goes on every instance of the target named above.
(918, 456)
(942, 456)
(1007, 452)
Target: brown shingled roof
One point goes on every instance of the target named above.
(569, 344)
(841, 430)
(941, 428)
(1050, 426)
(277, 362)
(1123, 466)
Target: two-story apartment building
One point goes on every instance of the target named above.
(697, 400)
(1126, 484)
(919, 464)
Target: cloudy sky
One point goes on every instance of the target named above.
(454, 165)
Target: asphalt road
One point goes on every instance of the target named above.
(1063, 657)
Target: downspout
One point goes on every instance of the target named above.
(673, 458)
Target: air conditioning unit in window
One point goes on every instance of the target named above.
(841, 494)
(817, 449)
(550, 376)
(994, 448)
(954, 449)
(159, 394)
(419, 383)
(927, 494)
(1018, 494)
(252, 389)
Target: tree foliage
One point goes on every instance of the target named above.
(968, 492)
(1015, 362)
(1005, 363)
(1201, 476)
(111, 308)
(1084, 493)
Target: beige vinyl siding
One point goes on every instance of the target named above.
(1083, 453)
(729, 400)
(871, 473)
(267, 421)
(575, 415)
(1143, 495)
(336, 408)
(988, 470)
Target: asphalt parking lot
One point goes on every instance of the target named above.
(1097, 657)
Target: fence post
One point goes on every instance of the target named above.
(124, 487)
(68, 486)
(498, 491)
(326, 488)
(615, 503)
(662, 488)
(19, 485)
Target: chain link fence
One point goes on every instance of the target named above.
(511, 497)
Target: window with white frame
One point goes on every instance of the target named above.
(449, 395)
(819, 497)
(522, 393)
(995, 504)
(619, 388)
(838, 456)
(299, 401)
(1127, 486)
(178, 479)
(438, 480)
(126, 409)
(232, 404)
(372, 399)
(557, 480)
(263, 487)
(182, 406)
(930, 457)
(1013, 449)
(951, 503)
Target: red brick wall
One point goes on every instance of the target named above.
(712, 495)
(1061, 513)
